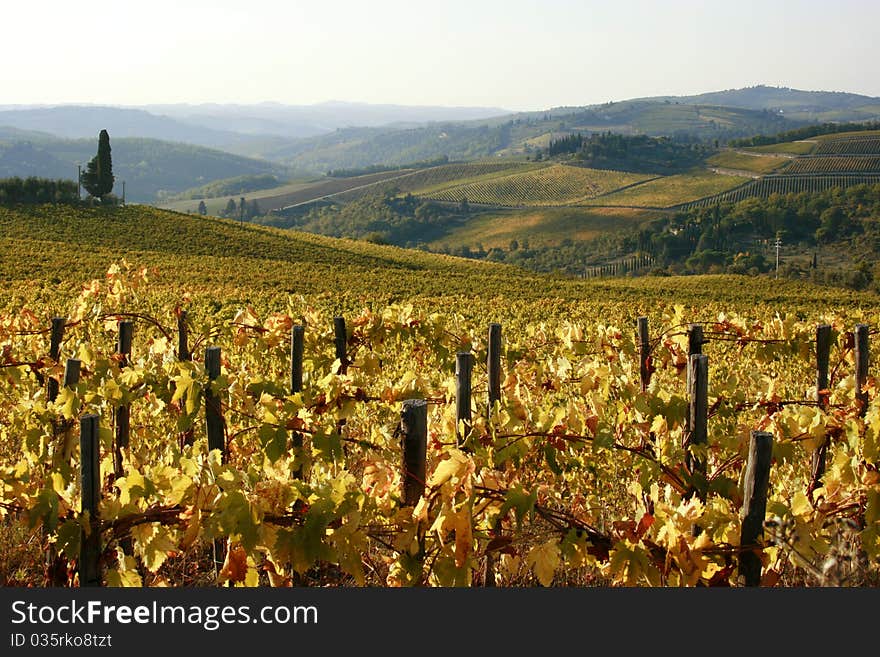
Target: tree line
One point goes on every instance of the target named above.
(637, 153)
(34, 190)
(803, 133)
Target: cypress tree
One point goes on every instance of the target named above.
(98, 179)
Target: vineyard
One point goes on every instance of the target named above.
(838, 164)
(670, 191)
(146, 440)
(556, 184)
(784, 184)
(292, 194)
(434, 178)
(744, 162)
(864, 145)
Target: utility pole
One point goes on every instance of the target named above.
(78, 182)
(123, 193)
(778, 245)
(241, 211)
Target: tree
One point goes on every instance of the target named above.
(230, 208)
(98, 178)
(203, 209)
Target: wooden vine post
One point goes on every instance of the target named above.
(755, 486)
(414, 441)
(297, 349)
(90, 477)
(183, 336)
(464, 361)
(213, 412)
(493, 365)
(862, 362)
(340, 341)
(644, 353)
(215, 430)
(56, 335)
(697, 432)
(823, 355)
(55, 571)
(184, 355)
(122, 413)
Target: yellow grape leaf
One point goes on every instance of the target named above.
(800, 505)
(544, 559)
(153, 543)
(454, 466)
(192, 529)
(235, 565)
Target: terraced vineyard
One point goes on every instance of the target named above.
(291, 194)
(835, 164)
(554, 185)
(747, 162)
(784, 184)
(428, 180)
(671, 191)
(857, 145)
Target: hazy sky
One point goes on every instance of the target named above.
(515, 54)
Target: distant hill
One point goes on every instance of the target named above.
(150, 168)
(793, 103)
(74, 122)
(520, 134)
(310, 120)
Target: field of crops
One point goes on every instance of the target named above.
(785, 184)
(866, 145)
(804, 147)
(300, 192)
(745, 162)
(556, 184)
(672, 190)
(835, 164)
(575, 476)
(435, 178)
(541, 226)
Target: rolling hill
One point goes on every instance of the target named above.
(149, 167)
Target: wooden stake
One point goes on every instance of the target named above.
(757, 482)
(414, 439)
(862, 362)
(823, 354)
(90, 476)
(463, 366)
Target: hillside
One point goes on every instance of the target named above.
(49, 252)
(812, 106)
(149, 167)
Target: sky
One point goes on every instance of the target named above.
(513, 54)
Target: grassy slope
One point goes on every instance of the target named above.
(804, 147)
(290, 194)
(744, 162)
(47, 253)
(542, 226)
(557, 184)
(672, 190)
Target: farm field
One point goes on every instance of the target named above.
(581, 472)
(672, 190)
(557, 184)
(835, 164)
(744, 162)
(279, 197)
(803, 147)
(541, 226)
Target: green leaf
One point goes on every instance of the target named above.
(274, 441)
(520, 501)
(67, 539)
